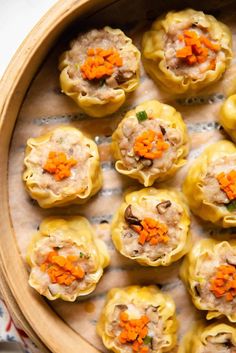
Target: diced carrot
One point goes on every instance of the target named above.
(150, 145)
(227, 183)
(61, 270)
(223, 283)
(196, 48)
(133, 331)
(100, 63)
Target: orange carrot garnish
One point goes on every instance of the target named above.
(58, 165)
(150, 145)
(134, 332)
(151, 231)
(196, 48)
(223, 284)
(227, 183)
(100, 63)
(61, 269)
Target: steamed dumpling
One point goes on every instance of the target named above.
(100, 68)
(152, 226)
(151, 143)
(186, 51)
(66, 258)
(62, 167)
(138, 319)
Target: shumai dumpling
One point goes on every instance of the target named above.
(215, 338)
(138, 319)
(152, 226)
(209, 272)
(100, 68)
(228, 116)
(186, 50)
(62, 167)
(210, 185)
(151, 143)
(66, 258)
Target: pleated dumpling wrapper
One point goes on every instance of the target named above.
(152, 226)
(210, 185)
(151, 142)
(62, 167)
(138, 320)
(98, 71)
(209, 272)
(228, 116)
(186, 51)
(215, 338)
(66, 258)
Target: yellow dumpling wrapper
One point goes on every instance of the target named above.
(91, 102)
(154, 50)
(202, 337)
(151, 197)
(190, 273)
(168, 116)
(193, 185)
(76, 188)
(228, 116)
(135, 297)
(69, 236)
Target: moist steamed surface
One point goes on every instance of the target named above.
(170, 216)
(155, 325)
(71, 145)
(177, 65)
(211, 186)
(206, 269)
(132, 128)
(103, 88)
(64, 248)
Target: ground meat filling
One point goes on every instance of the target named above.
(152, 229)
(60, 163)
(114, 59)
(137, 329)
(218, 290)
(221, 343)
(61, 266)
(219, 184)
(190, 51)
(150, 145)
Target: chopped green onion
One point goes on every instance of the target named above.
(147, 340)
(141, 116)
(81, 254)
(231, 206)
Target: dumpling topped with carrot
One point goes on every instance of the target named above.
(138, 320)
(151, 143)
(152, 226)
(100, 68)
(187, 50)
(66, 258)
(210, 185)
(62, 167)
(209, 272)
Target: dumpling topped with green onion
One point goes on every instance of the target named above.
(151, 143)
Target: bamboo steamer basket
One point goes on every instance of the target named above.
(43, 325)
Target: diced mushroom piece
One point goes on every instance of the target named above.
(163, 206)
(129, 217)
